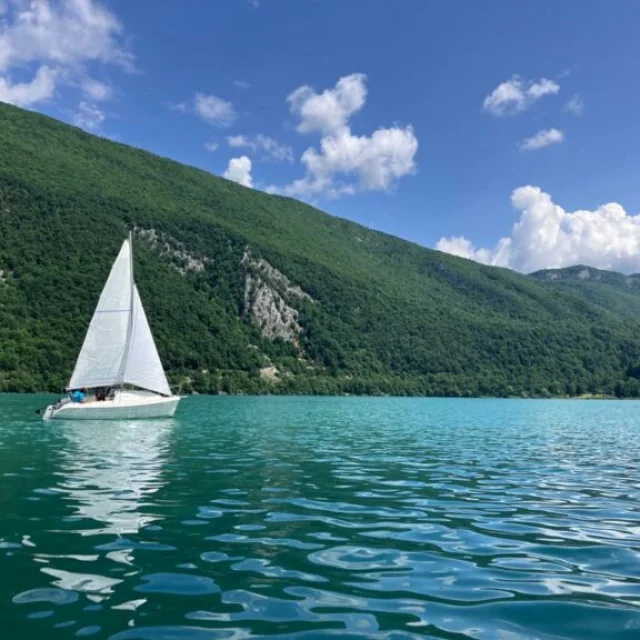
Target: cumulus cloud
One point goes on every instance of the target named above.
(41, 88)
(88, 116)
(214, 110)
(239, 170)
(68, 33)
(376, 161)
(546, 236)
(543, 138)
(57, 41)
(575, 105)
(329, 111)
(516, 95)
(241, 84)
(460, 246)
(270, 148)
(347, 163)
(211, 146)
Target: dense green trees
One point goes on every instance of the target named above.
(386, 316)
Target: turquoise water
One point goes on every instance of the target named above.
(310, 518)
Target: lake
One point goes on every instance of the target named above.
(310, 518)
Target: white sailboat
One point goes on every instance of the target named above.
(118, 355)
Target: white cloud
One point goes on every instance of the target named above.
(211, 146)
(376, 161)
(97, 90)
(271, 149)
(41, 88)
(57, 40)
(460, 246)
(88, 116)
(214, 110)
(68, 33)
(239, 170)
(516, 95)
(543, 138)
(575, 106)
(347, 163)
(239, 141)
(544, 87)
(274, 150)
(329, 111)
(546, 236)
(241, 84)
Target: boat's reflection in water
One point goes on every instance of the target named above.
(109, 473)
(110, 470)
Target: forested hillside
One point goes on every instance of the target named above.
(248, 292)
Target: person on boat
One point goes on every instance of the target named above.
(78, 395)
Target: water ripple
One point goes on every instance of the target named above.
(306, 518)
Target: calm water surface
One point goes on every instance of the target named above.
(317, 518)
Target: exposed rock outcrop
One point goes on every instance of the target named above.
(269, 311)
(179, 258)
(268, 300)
(269, 373)
(273, 275)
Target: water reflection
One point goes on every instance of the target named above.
(109, 470)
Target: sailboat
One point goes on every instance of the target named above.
(118, 365)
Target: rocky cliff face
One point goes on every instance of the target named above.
(269, 311)
(274, 276)
(268, 300)
(179, 258)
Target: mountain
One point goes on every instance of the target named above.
(612, 290)
(248, 292)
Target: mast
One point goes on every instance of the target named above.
(131, 278)
(131, 259)
(127, 348)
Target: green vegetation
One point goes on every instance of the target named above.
(385, 316)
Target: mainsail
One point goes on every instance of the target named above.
(100, 360)
(119, 347)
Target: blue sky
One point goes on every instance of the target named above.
(394, 90)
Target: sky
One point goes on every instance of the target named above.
(505, 132)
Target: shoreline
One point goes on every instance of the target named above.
(353, 395)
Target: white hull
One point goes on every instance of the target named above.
(126, 405)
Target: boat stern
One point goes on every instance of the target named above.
(52, 410)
